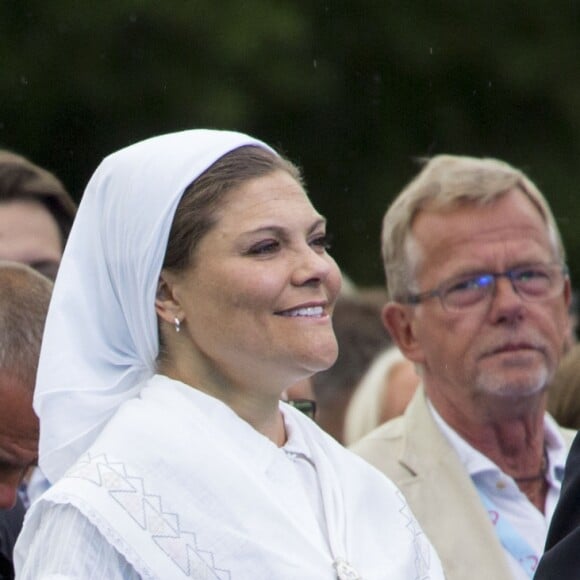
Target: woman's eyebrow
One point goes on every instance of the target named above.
(281, 229)
(321, 221)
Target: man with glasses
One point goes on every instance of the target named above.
(479, 294)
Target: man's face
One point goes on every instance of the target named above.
(30, 235)
(503, 346)
(18, 438)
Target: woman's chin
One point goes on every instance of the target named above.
(322, 358)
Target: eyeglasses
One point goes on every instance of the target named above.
(307, 406)
(532, 283)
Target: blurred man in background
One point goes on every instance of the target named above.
(36, 214)
(24, 298)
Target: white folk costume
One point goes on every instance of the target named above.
(155, 479)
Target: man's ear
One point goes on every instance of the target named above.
(399, 320)
(166, 305)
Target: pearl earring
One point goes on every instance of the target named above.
(177, 324)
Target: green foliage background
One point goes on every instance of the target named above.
(353, 90)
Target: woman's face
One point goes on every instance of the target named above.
(257, 303)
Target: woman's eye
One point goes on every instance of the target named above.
(322, 241)
(266, 247)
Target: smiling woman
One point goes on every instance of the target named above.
(263, 269)
(195, 288)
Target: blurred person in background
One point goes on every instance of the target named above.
(561, 559)
(572, 338)
(196, 287)
(24, 299)
(564, 390)
(383, 393)
(361, 336)
(36, 214)
(479, 296)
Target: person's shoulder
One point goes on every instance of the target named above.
(386, 435)
(382, 447)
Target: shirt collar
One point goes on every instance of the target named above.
(296, 443)
(476, 462)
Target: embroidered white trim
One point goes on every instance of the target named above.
(420, 543)
(146, 510)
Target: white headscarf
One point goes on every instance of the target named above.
(101, 338)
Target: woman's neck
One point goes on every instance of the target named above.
(259, 408)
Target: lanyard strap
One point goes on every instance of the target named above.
(510, 538)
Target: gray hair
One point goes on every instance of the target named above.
(24, 298)
(445, 182)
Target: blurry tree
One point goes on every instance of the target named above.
(353, 91)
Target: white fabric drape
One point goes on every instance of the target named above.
(172, 479)
(100, 339)
(184, 488)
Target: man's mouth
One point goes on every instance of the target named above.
(514, 348)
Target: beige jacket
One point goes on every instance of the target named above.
(412, 451)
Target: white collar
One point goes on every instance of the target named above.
(476, 462)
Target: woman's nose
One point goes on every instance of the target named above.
(312, 267)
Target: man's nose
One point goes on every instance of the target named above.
(507, 304)
(505, 288)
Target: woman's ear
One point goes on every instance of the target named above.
(166, 306)
(399, 320)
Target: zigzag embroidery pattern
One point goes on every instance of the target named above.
(146, 510)
(422, 560)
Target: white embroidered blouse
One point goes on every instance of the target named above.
(178, 486)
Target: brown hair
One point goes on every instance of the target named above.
(195, 214)
(22, 179)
